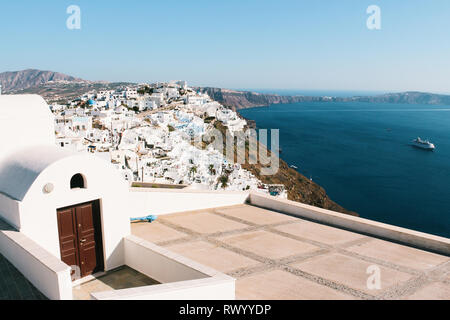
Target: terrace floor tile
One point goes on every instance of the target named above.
(213, 256)
(282, 285)
(267, 244)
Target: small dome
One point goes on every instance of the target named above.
(23, 167)
(92, 102)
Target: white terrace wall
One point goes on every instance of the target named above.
(215, 288)
(49, 275)
(158, 263)
(180, 277)
(147, 201)
(405, 236)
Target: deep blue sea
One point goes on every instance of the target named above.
(361, 154)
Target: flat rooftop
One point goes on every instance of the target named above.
(277, 256)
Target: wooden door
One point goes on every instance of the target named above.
(80, 237)
(68, 239)
(86, 237)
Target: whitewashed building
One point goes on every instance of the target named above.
(66, 216)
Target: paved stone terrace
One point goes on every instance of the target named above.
(276, 256)
(14, 286)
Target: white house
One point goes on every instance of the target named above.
(157, 98)
(197, 99)
(45, 189)
(49, 180)
(66, 216)
(182, 84)
(146, 104)
(131, 93)
(82, 123)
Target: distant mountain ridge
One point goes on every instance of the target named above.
(248, 99)
(14, 81)
(410, 97)
(55, 86)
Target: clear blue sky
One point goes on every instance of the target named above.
(289, 44)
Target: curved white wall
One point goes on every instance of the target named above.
(25, 120)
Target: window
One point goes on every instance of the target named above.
(77, 182)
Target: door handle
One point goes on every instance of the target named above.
(83, 240)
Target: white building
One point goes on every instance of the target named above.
(131, 93)
(145, 103)
(82, 123)
(42, 186)
(197, 99)
(182, 84)
(157, 98)
(66, 216)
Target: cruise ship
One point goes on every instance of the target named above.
(423, 144)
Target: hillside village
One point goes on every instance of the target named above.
(142, 130)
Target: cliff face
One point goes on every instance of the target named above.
(247, 99)
(299, 188)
